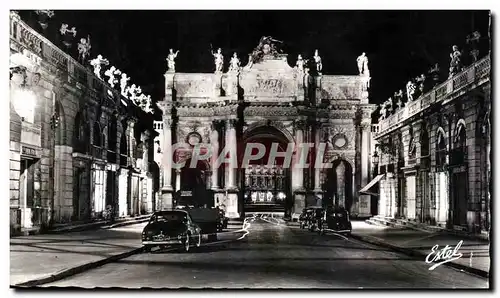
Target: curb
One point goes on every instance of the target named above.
(97, 226)
(419, 255)
(82, 268)
(75, 270)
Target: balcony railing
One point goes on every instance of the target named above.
(471, 75)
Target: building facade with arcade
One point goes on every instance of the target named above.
(273, 104)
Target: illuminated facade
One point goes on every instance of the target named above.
(76, 145)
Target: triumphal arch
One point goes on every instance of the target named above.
(270, 103)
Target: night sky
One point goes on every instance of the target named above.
(400, 44)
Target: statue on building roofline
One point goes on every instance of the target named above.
(420, 80)
(383, 111)
(363, 65)
(218, 60)
(97, 64)
(317, 60)
(410, 90)
(268, 46)
(64, 29)
(84, 48)
(68, 35)
(123, 84)
(134, 92)
(456, 61)
(171, 60)
(110, 73)
(398, 98)
(234, 64)
(299, 65)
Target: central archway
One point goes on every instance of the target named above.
(265, 187)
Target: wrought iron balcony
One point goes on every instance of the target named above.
(471, 76)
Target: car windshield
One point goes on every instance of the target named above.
(170, 217)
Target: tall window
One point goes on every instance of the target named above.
(97, 135)
(81, 134)
(112, 134)
(440, 149)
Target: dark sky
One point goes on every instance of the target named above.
(399, 44)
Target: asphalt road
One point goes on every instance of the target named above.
(275, 256)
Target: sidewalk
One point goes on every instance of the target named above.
(41, 256)
(475, 259)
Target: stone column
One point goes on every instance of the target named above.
(298, 173)
(231, 188)
(166, 197)
(317, 170)
(364, 200)
(214, 141)
(340, 184)
(231, 142)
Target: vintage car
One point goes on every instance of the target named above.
(171, 228)
(336, 220)
(310, 217)
(222, 220)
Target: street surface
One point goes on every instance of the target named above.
(275, 256)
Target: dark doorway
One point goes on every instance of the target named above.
(111, 191)
(334, 195)
(459, 183)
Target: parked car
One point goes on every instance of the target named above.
(310, 218)
(222, 220)
(171, 228)
(335, 219)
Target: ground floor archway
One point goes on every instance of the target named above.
(338, 188)
(265, 182)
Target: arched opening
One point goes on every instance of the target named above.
(338, 185)
(97, 140)
(60, 117)
(123, 149)
(81, 134)
(425, 211)
(265, 182)
(459, 179)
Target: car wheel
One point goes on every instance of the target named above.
(147, 248)
(187, 243)
(198, 244)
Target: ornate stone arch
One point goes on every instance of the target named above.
(350, 161)
(274, 124)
